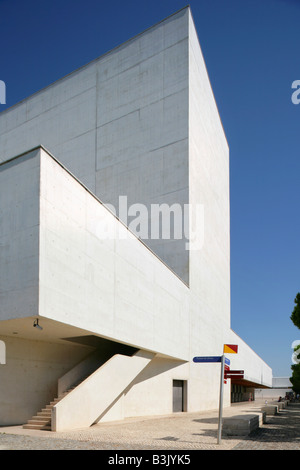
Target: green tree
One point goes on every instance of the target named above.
(295, 317)
(295, 379)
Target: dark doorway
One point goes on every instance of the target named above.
(178, 396)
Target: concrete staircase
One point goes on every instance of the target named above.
(80, 404)
(42, 420)
(88, 403)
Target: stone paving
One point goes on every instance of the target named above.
(281, 432)
(186, 431)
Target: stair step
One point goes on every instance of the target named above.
(37, 426)
(44, 412)
(41, 417)
(42, 420)
(39, 422)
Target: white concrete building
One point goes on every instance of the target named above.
(122, 312)
(281, 387)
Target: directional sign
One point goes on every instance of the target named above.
(230, 348)
(207, 359)
(233, 372)
(225, 363)
(235, 376)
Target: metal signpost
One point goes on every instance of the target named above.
(226, 373)
(2, 353)
(221, 400)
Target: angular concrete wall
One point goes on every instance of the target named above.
(90, 271)
(256, 370)
(209, 188)
(109, 283)
(119, 124)
(151, 390)
(210, 251)
(86, 403)
(19, 236)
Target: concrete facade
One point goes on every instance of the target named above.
(140, 122)
(281, 386)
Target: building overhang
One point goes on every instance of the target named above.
(70, 262)
(248, 383)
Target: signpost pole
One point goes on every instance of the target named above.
(2, 353)
(231, 349)
(221, 399)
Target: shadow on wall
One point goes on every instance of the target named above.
(156, 367)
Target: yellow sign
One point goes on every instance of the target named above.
(230, 348)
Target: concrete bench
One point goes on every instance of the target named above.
(262, 417)
(281, 404)
(242, 425)
(270, 410)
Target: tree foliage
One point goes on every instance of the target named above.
(295, 379)
(295, 317)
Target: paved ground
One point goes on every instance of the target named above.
(186, 431)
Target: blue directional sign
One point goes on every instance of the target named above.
(207, 359)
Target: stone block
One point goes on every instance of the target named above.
(270, 409)
(240, 425)
(262, 418)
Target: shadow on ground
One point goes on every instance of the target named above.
(283, 428)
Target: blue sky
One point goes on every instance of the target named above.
(251, 52)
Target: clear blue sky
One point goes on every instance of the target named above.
(251, 49)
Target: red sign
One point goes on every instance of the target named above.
(235, 372)
(230, 348)
(234, 376)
